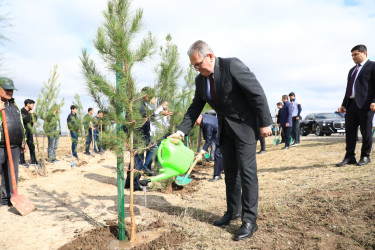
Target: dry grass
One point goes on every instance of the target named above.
(305, 202)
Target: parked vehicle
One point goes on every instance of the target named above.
(322, 124)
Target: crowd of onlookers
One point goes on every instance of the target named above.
(287, 125)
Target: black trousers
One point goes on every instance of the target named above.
(262, 143)
(241, 180)
(355, 117)
(31, 146)
(287, 131)
(6, 180)
(218, 164)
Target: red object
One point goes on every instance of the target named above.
(20, 202)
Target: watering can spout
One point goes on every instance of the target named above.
(145, 182)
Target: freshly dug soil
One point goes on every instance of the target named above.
(100, 237)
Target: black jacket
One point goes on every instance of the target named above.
(364, 86)
(15, 126)
(27, 120)
(240, 100)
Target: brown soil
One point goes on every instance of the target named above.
(100, 237)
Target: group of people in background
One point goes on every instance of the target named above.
(288, 120)
(154, 130)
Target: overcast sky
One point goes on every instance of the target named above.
(291, 45)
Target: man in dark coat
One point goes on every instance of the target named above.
(16, 138)
(233, 91)
(359, 105)
(210, 127)
(28, 122)
(74, 129)
(285, 120)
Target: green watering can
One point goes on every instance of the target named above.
(175, 159)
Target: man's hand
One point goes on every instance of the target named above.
(2, 106)
(31, 111)
(200, 155)
(342, 109)
(265, 131)
(24, 149)
(287, 124)
(175, 135)
(372, 106)
(297, 117)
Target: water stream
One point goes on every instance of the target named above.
(145, 198)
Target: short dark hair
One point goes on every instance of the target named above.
(146, 89)
(285, 97)
(73, 107)
(292, 94)
(360, 47)
(90, 109)
(29, 101)
(99, 111)
(279, 103)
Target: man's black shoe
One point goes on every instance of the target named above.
(55, 160)
(246, 230)
(216, 178)
(34, 162)
(261, 152)
(284, 148)
(24, 164)
(346, 161)
(363, 161)
(87, 153)
(226, 219)
(148, 172)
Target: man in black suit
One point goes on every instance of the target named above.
(233, 91)
(359, 104)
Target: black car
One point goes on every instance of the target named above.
(322, 124)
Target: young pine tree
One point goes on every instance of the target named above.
(115, 41)
(168, 73)
(48, 106)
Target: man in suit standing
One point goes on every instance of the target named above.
(285, 120)
(359, 104)
(233, 91)
(209, 126)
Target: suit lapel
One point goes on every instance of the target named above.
(217, 80)
(363, 68)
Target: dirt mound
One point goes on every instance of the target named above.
(100, 237)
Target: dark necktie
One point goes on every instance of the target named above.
(349, 88)
(212, 88)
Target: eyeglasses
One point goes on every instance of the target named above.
(198, 65)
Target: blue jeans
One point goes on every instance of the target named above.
(150, 155)
(138, 164)
(96, 142)
(74, 143)
(53, 143)
(88, 140)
